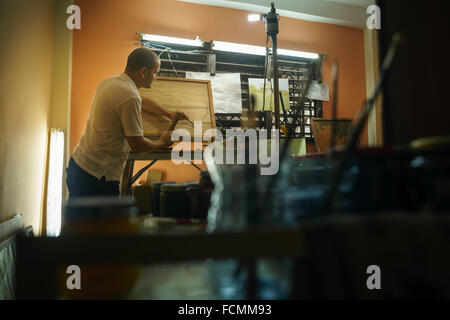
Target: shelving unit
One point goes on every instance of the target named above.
(330, 255)
(176, 60)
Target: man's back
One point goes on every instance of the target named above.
(114, 114)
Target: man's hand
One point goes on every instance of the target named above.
(174, 114)
(166, 138)
(142, 144)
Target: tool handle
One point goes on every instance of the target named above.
(174, 122)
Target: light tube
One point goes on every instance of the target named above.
(54, 184)
(187, 42)
(300, 54)
(248, 49)
(239, 48)
(254, 17)
(229, 46)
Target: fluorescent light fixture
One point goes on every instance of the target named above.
(244, 48)
(228, 46)
(300, 54)
(187, 42)
(239, 48)
(254, 17)
(54, 184)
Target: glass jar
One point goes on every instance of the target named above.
(430, 172)
(378, 180)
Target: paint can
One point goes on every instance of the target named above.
(206, 185)
(156, 195)
(174, 202)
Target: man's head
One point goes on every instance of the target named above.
(142, 66)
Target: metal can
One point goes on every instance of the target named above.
(194, 193)
(206, 186)
(156, 195)
(174, 201)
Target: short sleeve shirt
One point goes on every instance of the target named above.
(115, 114)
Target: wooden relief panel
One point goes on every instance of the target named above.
(193, 97)
(322, 130)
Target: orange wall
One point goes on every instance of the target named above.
(108, 35)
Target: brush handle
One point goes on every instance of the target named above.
(174, 122)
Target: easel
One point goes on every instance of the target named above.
(196, 98)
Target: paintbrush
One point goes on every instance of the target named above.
(174, 122)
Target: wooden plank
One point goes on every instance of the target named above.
(193, 97)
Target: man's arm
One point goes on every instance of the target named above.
(142, 144)
(152, 106)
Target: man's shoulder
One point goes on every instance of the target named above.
(117, 80)
(120, 85)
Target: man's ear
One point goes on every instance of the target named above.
(143, 71)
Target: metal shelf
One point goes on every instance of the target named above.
(183, 60)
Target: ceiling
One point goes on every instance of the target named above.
(359, 3)
(350, 13)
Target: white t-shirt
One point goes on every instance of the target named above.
(115, 113)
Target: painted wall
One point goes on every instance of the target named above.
(61, 82)
(26, 35)
(108, 35)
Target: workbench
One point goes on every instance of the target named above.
(128, 178)
(297, 148)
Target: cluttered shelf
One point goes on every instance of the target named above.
(308, 261)
(339, 248)
(158, 242)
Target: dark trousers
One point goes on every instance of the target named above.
(82, 184)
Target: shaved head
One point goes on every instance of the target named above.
(141, 57)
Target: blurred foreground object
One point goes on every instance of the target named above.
(98, 217)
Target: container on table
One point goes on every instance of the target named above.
(100, 216)
(174, 201)
(156, 195)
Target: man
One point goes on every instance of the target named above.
(114, 127)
